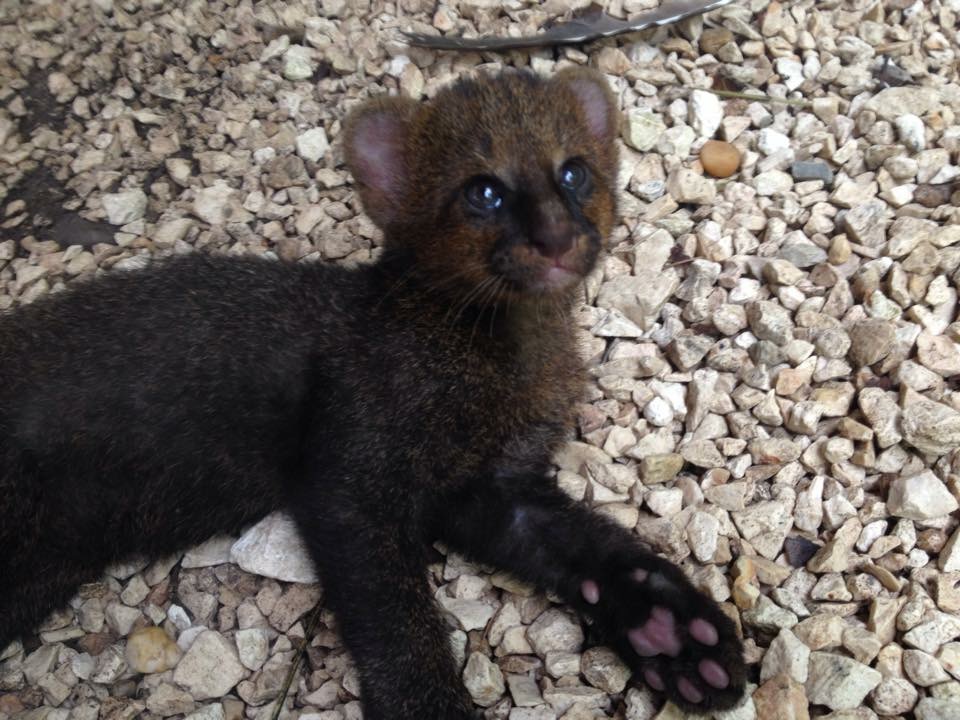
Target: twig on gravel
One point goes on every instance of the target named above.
(757, 97)
(308, 632)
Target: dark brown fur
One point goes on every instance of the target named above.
(416, 399)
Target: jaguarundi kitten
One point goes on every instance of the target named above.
(416, 399)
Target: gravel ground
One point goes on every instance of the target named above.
(775, 354)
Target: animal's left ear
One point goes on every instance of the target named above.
(596, 101)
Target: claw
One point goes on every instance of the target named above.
(590, 591)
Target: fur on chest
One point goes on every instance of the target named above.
(499, 414)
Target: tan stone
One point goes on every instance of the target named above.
(781, 698)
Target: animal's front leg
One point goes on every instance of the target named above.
(674, 635)
(375, 582)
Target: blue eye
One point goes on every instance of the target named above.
(572, 175)
(484, 195)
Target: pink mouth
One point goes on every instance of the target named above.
(558, 276)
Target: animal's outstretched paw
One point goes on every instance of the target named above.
(676, 638)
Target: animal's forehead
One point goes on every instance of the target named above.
(517, 107)
(505, 128)
(516, 158)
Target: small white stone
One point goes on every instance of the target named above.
(559, 664)
(214, 711)
(937, 709)
(211, 668)
(619, 441)
(893, 696)
(658, 412)
(930, 635)
(772, 182)
(554, 630)
(483, 680)
(949, 657)
(706, 113)
(949, 559)
(786, 654)
(642, 129)
(253, 647)
(124, 207)
(312, 144)
(769, 141)
(273, 548)
(167, 234)
(219, 204)
(703, 533)
(275, 48)
(121, 618)
(641, 704)
(920, 497)
(298, 63)
(839, 682)
(524, 691)
(604, 669)
(911, 131)
(665, 502)
(923, 669)
(215, 551)
(467, 614)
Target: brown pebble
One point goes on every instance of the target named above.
(10, 704)
(931, 541)
(95, 643)
(894, 562)
(713, 39)
(781, 697)
(151, 650)
(886, 578)
(720, 159)
(932, 196)
(839, 251)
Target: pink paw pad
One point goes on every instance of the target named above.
(657, 636)
(703, 632)
(714, 674)
(653, 679)
(590, 591)
(689, 691)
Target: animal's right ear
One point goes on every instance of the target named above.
(375, 142)
(594, 98)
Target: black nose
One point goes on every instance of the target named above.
(552, 239)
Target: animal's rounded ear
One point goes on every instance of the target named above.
(375, 137)
(596, 101)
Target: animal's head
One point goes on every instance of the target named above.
(506, 179)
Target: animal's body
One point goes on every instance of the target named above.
(420, 398)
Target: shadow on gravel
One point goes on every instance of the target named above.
(42, 107)
(47, 219)
(43, 194)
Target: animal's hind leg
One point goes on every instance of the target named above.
(26, 602)
(41, 564)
